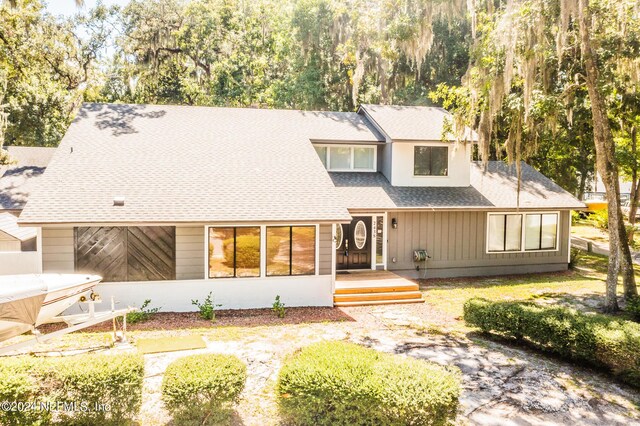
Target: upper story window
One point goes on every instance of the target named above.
(347, 158)
(430, 161)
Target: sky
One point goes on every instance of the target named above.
(69, 8)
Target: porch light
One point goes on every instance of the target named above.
(394, 223)
(118, 201)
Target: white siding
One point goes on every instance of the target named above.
(189, 252)
(459, 165)
(57, 250)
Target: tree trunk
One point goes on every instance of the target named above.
(630, 288)
(635, 184)
(605, 161)
(583, 181)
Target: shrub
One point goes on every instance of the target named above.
(575, 217)
(599, 340)
(102, 389)
(207, 308)
(18, 385)
(574, 257)
(143, 314)
(633, 308)
(600, 219)
(114, 382)
(278, 308)
(247, 251)
(345, 384)
(201, 389)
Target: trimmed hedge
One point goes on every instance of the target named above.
(600, 340)
(338, 383)
(83, 389)
(201, 389)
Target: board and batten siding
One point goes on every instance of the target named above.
(456, 242)
(58, 251)
(326, 249)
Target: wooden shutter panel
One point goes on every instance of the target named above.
(102, 251)
(151, 253)
(135, 253)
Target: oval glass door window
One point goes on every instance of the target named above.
(360, 235)
(339, 236)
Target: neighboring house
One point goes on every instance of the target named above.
(16, 183)
(14, 238)
(169, 203)
(18, 245)
(18, 179)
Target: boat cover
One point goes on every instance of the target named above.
(21, 297)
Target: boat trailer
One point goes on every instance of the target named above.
(78, 322)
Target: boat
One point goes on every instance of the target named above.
(27, 301)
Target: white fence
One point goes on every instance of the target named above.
(20, 262)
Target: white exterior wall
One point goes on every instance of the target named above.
(231, 293)
(20, 262)
(176, 295)
(459, 165)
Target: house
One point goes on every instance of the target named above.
(18, 251)
(171, 202)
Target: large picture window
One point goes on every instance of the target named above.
(522, 232)
(541, 231)
(291, 250)
(430, 161)
(341, 158)
(234, 252)
(505, 232)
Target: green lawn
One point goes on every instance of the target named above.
(582, 288)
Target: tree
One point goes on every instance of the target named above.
(516, 81)
(48, 67)
(4, 156)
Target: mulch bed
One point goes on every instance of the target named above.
(224, 318)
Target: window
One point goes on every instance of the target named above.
(541, 231)
(430, 161)
(363, 158)
(234, 252)
(522, 232)
(346, 158)
(340, 158)
(379, 230)
(291, 250)
(322, 153)
(505, 232)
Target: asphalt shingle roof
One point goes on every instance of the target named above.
(18, 179)
(411, 122)
(495, 188)
(192, 164)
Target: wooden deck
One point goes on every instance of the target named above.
(374, 288)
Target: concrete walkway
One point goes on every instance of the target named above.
(598, 248)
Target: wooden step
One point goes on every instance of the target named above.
(378, 302)
(377, 296)
(388, 289)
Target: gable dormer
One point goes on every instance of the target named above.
(414, 152)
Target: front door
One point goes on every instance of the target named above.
(353, 245)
